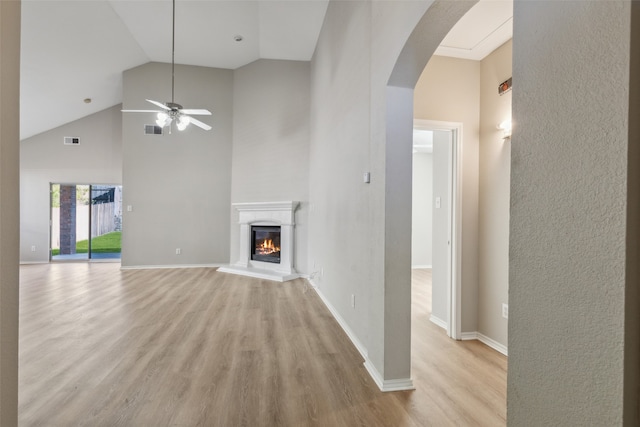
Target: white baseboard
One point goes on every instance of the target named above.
(438, 321)
(500, 348)
(402, 384)
(347, 330)
(33, 262)
(384, 385)
(468, 336)
(153, 267)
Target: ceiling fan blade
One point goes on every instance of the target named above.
(140, 111)
(159, 104)
(199, 123)
(196, 111)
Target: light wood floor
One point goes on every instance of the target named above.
(194, 347)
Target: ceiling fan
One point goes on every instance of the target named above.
(170, 112)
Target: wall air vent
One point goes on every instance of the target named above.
(152, 130)
(71, 140)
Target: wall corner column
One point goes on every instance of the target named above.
(9, 208)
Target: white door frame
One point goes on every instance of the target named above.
(454, 273)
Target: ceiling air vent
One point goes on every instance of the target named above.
(71, 140)
(152, 130)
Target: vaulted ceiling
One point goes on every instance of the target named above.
(74, 50)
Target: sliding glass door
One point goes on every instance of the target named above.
(86, 221)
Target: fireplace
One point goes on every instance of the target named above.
(265, 243)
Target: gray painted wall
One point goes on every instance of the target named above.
(9, 208)
(44, 159)
(495, 168)
(421, 214)
(179, 184)
(343, 242)
(441, 218)
(571, 293)
(347, 216)
(271, 143)
(354, 129)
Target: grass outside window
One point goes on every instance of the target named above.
(109, 243)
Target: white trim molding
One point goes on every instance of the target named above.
(500, 348)
(347, 330)
(438, 322)
(402, 384)
(153, 267)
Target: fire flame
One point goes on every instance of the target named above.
(267, 247)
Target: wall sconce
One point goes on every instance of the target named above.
(506, 129)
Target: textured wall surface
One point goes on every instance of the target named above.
(44, 159)
(178, 184)
(340, 203)
(493, 220)
(271, 143)
(568, 213)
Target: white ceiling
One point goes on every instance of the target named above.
(77, 49)
(487, 26)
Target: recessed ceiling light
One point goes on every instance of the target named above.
(87, 100)
(238, 38)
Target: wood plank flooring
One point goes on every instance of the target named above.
(194, 347)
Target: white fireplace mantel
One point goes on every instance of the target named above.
(265, 213)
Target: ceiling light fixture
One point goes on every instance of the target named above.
(170, 111)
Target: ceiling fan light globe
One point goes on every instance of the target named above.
(162, 116)
(182, 124)
(163, 122)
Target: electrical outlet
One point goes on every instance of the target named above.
(33, 248)
(353, 301)
(178, 251)
(505, 311)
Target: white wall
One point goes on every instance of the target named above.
(44, 159)
(449, 90)
(495, 168)
(271, 143)
(573, 326)
(178, 184)
(421, 216)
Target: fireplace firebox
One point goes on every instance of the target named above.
(265, 243)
